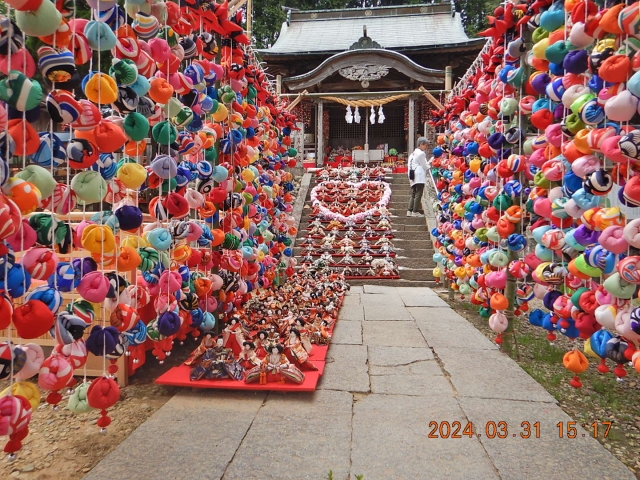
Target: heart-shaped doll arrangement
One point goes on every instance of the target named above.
(350, 201)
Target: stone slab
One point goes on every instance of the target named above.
(422, 378)
(490, 374)
(420, 367)
(384, 301)
(382, 356)
(346, 369)
(378, 289)
(153, 449)
(392, 334)
(352, 313)
(351, 300)
(440, 314)
(422, 300)
(390, 440)
(449, 335)
(379, 312)
(355, 290)
(347, 333)
(294, 437)
(549, 456)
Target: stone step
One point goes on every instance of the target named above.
(424, 235)
(412, 244)
(417, 221)
(416, 263)
(410, 228)
(417, 274)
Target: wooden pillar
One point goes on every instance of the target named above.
(411, 128)
(448, 78)
(278, 84)
(250, 20)
(320, 135)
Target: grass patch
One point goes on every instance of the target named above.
(601, 399)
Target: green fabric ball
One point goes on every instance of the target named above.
(136, 126)
(211, 154)
(164, 133)
(40, 177)
(89, 186)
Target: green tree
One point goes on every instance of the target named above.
(474, 14)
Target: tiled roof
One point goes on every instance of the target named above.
(392, 28)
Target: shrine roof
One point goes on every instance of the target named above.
(398, 28)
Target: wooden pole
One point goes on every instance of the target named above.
(320, 139)
(250, 20)
(448, 78)
(279, 85)
(431, 98)
(411, 127)
(296, 101)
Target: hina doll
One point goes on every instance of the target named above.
(261, 342)
(206, 343)
(275, 367)
(348, 259)
(321, 334)
(217, 363)
(298, 348)
(233, 336)
(248, 358)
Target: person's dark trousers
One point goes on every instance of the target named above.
(415, 203)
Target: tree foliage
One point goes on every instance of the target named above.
(474, 14)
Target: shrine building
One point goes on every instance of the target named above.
(363, 81)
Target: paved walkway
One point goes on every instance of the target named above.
(400, 359)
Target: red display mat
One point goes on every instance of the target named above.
(314, 254)
(363, 277)
(324, 220)
(357, 229)
(179, 377)
(356, 238)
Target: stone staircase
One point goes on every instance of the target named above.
(412, 241)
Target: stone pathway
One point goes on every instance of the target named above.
(400, 359)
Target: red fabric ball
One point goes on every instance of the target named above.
(103, 393)
(33, 319)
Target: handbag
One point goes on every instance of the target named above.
(412, 172)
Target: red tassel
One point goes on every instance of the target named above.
(628, 353)
(602, 368)
(104, 421)
(54, 398)
(551, 337)
(620, 371)
(113, 368)
(15, 441)
(575, 382)
(499, 339)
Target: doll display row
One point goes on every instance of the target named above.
(352, 174)
(537, 173)
(278, 339)
(350, 229)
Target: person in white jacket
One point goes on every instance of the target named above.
(417, 164)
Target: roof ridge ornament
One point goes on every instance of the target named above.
(365, 42)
